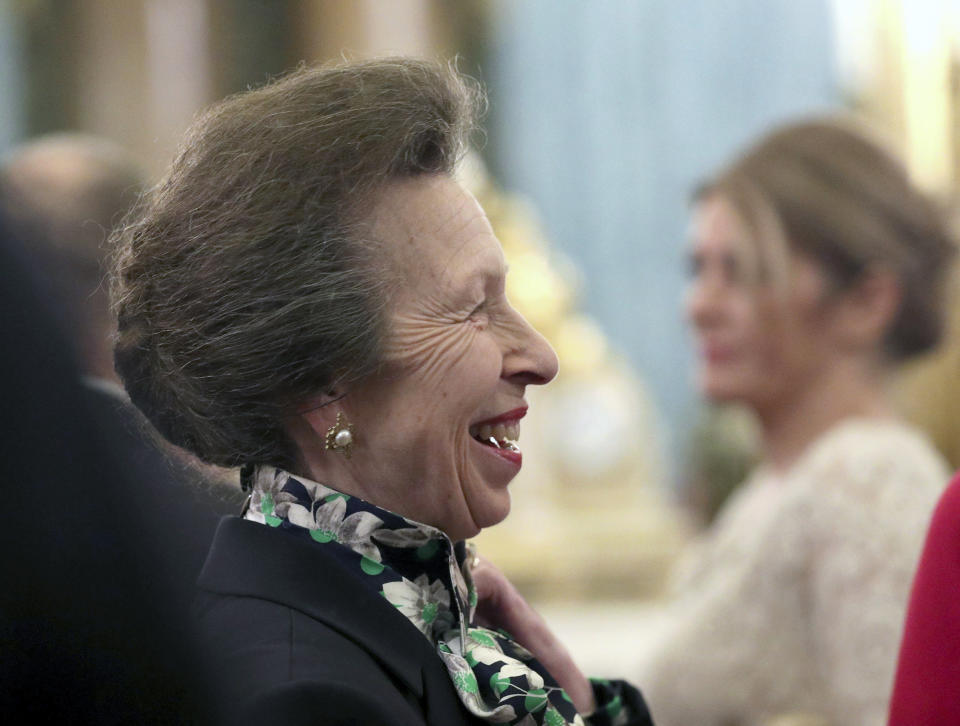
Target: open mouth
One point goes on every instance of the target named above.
(501, 436)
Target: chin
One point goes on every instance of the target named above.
(492, 514)
(719, 395)
(717, 390)
(495, 519)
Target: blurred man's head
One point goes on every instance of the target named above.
(62, 194)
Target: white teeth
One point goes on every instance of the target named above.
(503, 434)
(493, 442)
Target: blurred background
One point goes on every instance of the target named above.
(603, 117)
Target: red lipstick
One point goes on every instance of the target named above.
(508, 451)
(514, 415)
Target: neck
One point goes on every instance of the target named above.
(790, 424)
(99, 364)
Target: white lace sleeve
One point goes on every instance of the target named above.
(723, 652)
(871, 514)
(799, 593)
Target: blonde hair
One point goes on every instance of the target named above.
(824, 189)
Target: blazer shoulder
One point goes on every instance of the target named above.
(275, 610)
(277, 662)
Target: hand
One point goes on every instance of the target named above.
(501, 606)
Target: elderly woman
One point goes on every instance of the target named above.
(311, 296)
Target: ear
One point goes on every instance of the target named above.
(868, 309)
(319, 412)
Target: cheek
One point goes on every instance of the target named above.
(764, 349)
(791, 351)
(755, 330)
(809, 345)
(451, 370)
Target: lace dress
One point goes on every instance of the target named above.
(793, 603)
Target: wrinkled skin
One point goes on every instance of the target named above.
(457, 353)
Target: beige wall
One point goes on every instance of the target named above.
(144, 68)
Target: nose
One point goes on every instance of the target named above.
(528, 358)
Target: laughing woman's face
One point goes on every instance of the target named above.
(440, 420)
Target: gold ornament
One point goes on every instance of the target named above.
(340, 436)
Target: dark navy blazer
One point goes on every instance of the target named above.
(323, 649)
(319, 649)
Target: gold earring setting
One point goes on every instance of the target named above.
(340, 436)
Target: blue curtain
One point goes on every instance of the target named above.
(607, 113)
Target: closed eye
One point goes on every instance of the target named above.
(479, 309)
(478, 314)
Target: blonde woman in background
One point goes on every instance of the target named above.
(816, 267)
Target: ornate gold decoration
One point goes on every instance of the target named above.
(340, 436)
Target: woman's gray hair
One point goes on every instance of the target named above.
(245, 283)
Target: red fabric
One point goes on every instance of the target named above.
(927, 687)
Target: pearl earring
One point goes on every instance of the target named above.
(340, 436)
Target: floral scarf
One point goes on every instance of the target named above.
(416, 568)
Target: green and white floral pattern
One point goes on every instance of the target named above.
(419, 571)
(426, 604)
